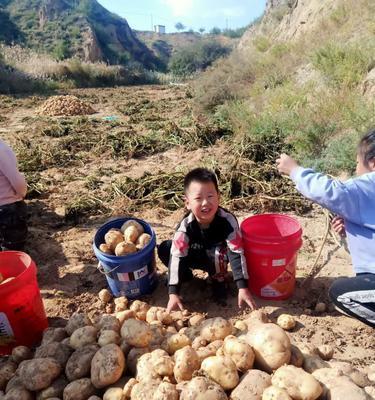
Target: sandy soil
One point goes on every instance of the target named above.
(68, 277)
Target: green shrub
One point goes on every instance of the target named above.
(196, 57)
(343, 64)
(262, 43)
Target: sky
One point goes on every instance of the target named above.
(194, 14)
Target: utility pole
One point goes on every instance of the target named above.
(152, 23)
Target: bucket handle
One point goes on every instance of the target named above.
(102, 271)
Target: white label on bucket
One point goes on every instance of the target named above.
(6, 331)
(141, 272)
(279, 263)
(269, 291)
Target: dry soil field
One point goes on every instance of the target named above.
(84, 170)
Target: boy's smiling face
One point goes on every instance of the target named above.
(202, 199)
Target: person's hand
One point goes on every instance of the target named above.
(286, 164)
(338, 225)
(244, 296)
(174, 303)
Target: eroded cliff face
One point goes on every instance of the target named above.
(290, 19)
(86, 28)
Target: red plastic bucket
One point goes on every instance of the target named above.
(22, 315)
(271, 243)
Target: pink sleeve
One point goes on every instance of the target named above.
(8, 166)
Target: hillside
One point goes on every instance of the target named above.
(67, 28)
(163, 46)
(302, 80)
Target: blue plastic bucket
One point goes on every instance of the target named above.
(133, 275)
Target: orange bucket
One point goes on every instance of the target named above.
(22, 315)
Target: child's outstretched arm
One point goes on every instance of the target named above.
(339, 197)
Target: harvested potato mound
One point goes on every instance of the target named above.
(65, 105)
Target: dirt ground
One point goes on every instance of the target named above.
(67, 268)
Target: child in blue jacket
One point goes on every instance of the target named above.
(354, 203)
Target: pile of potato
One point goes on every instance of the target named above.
(143, 353)
(64, 105)
(127, 240)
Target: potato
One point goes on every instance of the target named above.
(240, 353)
(143, 240)
(39, 373)
(56, 389)
(133, 357)
(186, 363)
(107, 366)
(311, 363)
(131, 234)
(59, 351)
(121, 303)
(177, 341)
(80, 389)
(299, 384)
(166, 391)
(241, 325)
(358, 377)
(105, 296)
(252, 385)
(325, 352)
(136, 333)
(215, 329)
(198, 342)
(53, 335)
(123, 315)
(196, 319)
(77, 320)
(158, 335)
(144, 390)
(108, 323)
(129, 387)
(112, 238)
(19, 394)
(7, 371)
(296, 357)
(79, 363)
(222, 370)
(132, 222)
(210, 350)
(275, 393)
(287, 322)
(270, 343)
(90, 398)
(83, 336)
(158, 314)
(140, 308)
(106, 249)
(21, 353)
(108, 337)
(15, 381)
(201, 388)
(145, 370)
(162, 363)
(116, 390)
(329, 377)
(349, 391)
(125, 248)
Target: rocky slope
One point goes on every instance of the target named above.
(67, 28)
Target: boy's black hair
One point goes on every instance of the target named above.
(366, 146)
(203, 175)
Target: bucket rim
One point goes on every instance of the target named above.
(19, 277)
(129, 257)
(271, 238)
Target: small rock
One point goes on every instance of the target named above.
(307, 311)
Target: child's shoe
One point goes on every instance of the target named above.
(219, 292)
